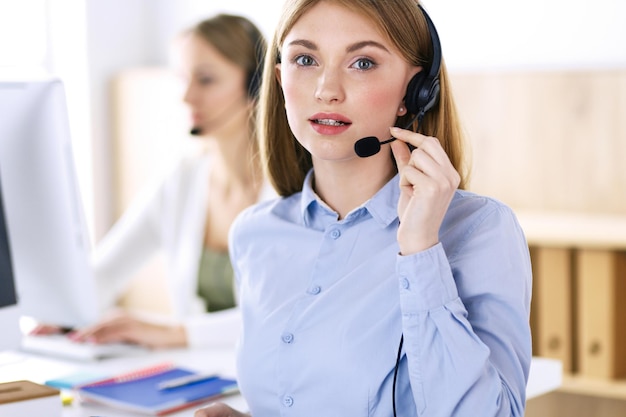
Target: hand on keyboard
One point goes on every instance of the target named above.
(46, 329)
(127, 328)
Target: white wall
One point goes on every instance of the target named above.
(530, 34)
(120, 34)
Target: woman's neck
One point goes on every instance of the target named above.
(235, 161)
(345, 187)
(234, 154)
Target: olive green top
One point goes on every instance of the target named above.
(215, 280)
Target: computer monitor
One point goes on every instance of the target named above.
(9, 311)
(50, 242)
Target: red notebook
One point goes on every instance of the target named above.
(158, 390)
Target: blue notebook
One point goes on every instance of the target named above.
(158, 390)
(70, 381)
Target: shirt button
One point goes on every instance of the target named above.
(404, 282)
(335, 233)
(287, 401)
(315, 290)
(287, 337)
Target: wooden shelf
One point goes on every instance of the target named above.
(579, 263)
(573, 230)
(597, 387)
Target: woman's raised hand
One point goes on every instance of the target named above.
(428, 181)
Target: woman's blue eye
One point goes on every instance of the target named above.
(304, 60)
(364, 64)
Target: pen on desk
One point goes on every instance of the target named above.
(184, 381)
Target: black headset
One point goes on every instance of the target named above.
(422, 93)
(253, 82)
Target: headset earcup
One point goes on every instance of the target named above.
(431, 96)
(411, 99)
(422, 92)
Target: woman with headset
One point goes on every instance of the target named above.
(375, 285)
(188, 214)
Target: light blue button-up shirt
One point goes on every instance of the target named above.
(325, 302)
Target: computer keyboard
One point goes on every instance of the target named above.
(62, 346)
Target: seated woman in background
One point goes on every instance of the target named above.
(188, 215)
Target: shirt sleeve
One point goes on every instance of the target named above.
(127, 246)
(465, 318)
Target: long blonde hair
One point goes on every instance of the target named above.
(238, 40)
(286, 162)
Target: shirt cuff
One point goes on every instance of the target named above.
(425, 280)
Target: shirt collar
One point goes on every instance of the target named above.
(383, 206)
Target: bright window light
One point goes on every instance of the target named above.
(23, 27)
(49, 36)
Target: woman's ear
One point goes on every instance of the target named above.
(277, 72)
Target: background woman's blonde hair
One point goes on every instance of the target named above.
(286, 162)
(242, 43)
(238, 40)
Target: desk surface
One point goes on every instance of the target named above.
(545, 374)
(38, 368)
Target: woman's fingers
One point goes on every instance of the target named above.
(111, 329)
(46, 329)
(428, 181)
(428, 144)
(428, 156)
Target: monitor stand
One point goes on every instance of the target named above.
(10, 334)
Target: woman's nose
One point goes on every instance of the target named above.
(188, 95)
(329, 87)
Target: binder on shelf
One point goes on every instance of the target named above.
(27, 399)
(554, 312)
(601, 281)
(157, 390)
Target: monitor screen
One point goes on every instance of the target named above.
(50, 243)
(7, 285)
(9, 314)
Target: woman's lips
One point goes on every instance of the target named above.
(195, 117)
(329, 124)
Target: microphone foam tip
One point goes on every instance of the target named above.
(367, 146)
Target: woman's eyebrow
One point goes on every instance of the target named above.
(303, 42)
(352, 48)
(359, 45)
